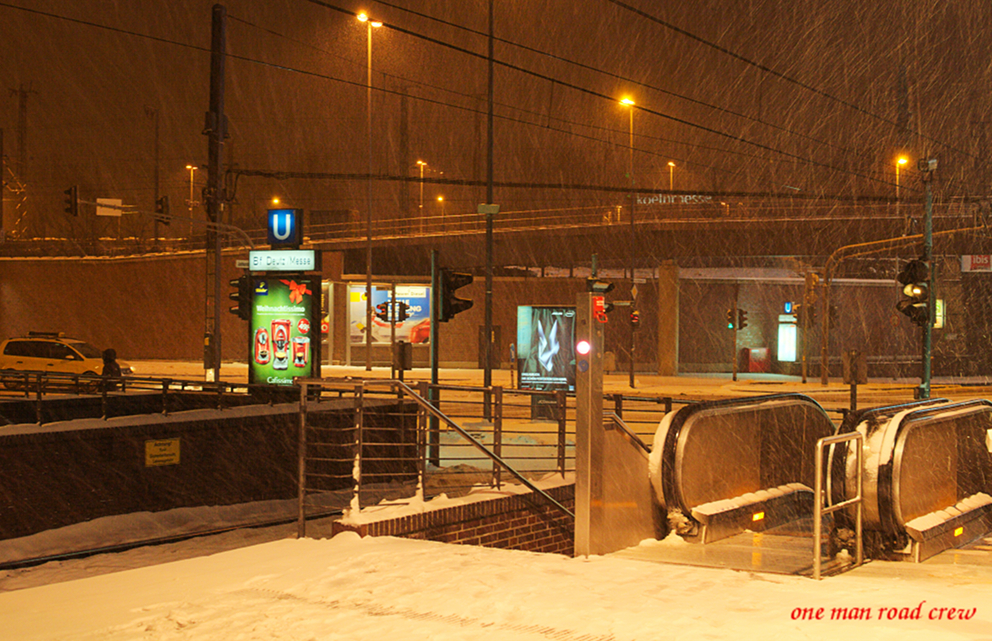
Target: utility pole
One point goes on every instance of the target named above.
(22, 93)
(488, 330)
(433, 394)
(214, 194)
(928, 167)
(733, 315)
(153, 114)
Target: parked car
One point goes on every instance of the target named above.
(52, 352)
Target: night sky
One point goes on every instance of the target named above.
(769, 96)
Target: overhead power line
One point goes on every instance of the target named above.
(616, 76)
(779, 74)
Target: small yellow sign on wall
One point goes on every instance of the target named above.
(162, 452)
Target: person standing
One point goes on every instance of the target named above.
(111, 369)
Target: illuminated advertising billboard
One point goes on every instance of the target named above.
(416, 328)
(282, 329)
(546, 347)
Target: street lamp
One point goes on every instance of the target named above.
(363, 17)
(671, 176)
(900, 161)
(440, 200)
(420, 207)
(629, 103)
(191, 202)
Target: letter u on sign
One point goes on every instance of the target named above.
(285, 228)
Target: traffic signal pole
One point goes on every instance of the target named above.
(216, 133)
(434, 435)
(931, 296)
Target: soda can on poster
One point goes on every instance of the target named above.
(301, 351)
(280, 344)
(263, 350)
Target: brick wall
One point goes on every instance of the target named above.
(518, 522)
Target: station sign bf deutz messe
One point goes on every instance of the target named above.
(282, 260)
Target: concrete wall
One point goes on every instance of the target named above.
(153, 308)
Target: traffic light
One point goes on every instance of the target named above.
(402, 311)
(731, 319)
(451, 304)
(242, 295)
(915, 278)
(741, 318)
(635, 319)
(162, 209)
(803, 310)
(72, 201)
(382, 311)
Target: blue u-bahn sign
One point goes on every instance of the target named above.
(286, 228)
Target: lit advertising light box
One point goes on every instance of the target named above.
(281, 329)
(546, 347)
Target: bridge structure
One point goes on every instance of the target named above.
(667, 225)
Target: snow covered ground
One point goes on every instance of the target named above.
(265, 584)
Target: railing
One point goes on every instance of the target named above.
(38, 385)
(629, 434)
(641, 414)
(433, 424)
(818, 499)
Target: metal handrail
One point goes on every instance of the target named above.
(629, 433)
(434, 411)
(819, 510)
(428, 408)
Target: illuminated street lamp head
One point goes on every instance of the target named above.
(902, 160)
(190, 167)
(440, 198)
(421, 163)
(671, 164)
(275, 200)
(627, 101)
(364, 17)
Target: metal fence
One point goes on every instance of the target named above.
(407, 443)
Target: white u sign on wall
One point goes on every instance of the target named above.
(285, 227)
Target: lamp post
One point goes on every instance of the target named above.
(629, 103)
(420, 208)
(363, 17)
(900, 161)
(671, 176)
(191, 202)
(440, 200)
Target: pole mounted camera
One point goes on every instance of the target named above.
(595, 286)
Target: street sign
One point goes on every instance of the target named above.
(282, 260)
(109, 211)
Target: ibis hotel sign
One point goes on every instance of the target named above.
(282, 260)
(976, 263)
